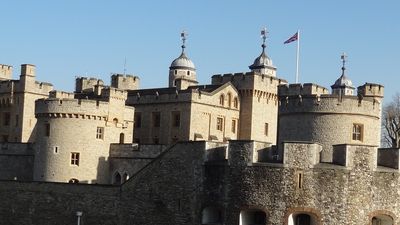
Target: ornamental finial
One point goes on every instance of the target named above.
(343, 57)
(184, 34)
(264, 33)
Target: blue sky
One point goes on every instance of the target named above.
(68, 38)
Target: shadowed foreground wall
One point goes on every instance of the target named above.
(37, 203)
(177, 186)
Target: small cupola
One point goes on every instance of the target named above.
(343, 85)
(182, 68)
(263, 64)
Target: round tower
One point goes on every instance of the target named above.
(182, 68)
(74, 138)
(307, 113)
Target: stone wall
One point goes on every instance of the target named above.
(16, 161)
(33, 203)
(71, 126)
(328, 120)
(178, 185)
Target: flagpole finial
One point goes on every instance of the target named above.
(184, 35)
(343, 57)
(264, 33)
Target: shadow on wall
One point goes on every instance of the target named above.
(32, 137)
(103, 172)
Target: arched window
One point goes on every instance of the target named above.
(382, 220)
(302, 219)
(221, 100)
(115, 121)
(211, 215)
(73, 181)
(117, 178)
(121, 138)
(252, 217)
(125, 177)
(229, 100)
(235, 103)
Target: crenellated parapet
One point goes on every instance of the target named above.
(114, 93)
(301, 89)
(74, 108)
(86, 84)
(5, 72)
(249, 80)
(61, 94)
(312, 98)
(125, 82)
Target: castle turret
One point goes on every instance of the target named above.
(343, 85)
(263, 64)
(5, 72)
(307, 113)
(125, 82)
(27, 77)
(182, 69)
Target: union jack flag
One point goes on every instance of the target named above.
(295, 37)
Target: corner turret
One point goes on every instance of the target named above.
(5, 72)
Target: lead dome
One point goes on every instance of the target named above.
(182, 62)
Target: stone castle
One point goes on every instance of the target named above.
(247, 149)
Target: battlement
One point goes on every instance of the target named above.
(5, 72)
(301, 155)
(87, 84)
(114, 93)
(146, 96)
(61, 94)
(371, 90)
(28, 70)
(125, 82)
(329, 104)
(302, 89)
(135, 150)
(72, 108)
(22, 149)
(248, 80)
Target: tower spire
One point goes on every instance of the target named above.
(184, 35)
(264, 33)
(343, 57)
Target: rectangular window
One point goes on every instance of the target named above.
(156, 119)
(6, 121)
(358, 130)
(266, 129)
(220, 123)
(176, 119)
(138, 119)
(47, 130)
(100, 133)
(233, 129)
(75, 158)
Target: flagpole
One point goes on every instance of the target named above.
(297, 56)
